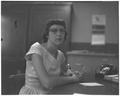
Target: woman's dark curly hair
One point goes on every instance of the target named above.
(49, 24)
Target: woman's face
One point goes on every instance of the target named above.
(56, 34)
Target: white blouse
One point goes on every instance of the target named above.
(52, 65)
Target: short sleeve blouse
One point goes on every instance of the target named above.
(51, 64)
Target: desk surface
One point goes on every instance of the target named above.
(87, 53)
(109, 88)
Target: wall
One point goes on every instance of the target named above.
(81, 35)
(82, 20)
(82, 25)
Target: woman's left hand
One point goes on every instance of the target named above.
(80, 75)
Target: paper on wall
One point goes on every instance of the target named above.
(98, 39)
(98, 19)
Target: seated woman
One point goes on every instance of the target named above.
(45, 64)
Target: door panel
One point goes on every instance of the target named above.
(13, 45)
(13, 30)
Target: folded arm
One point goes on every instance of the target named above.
(50, 81)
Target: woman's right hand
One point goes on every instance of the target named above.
(75, 78)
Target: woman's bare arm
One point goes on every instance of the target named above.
(50, 81)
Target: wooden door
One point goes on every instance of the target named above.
(13, 45)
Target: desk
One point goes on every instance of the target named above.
(109, 88)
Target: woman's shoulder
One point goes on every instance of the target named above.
(36, 44)
(35, 47)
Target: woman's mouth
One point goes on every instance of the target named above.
(58, 39)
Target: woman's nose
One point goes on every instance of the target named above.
(58, 33)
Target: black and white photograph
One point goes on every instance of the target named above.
(59, 47)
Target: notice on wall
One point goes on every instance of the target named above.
(98, 39)
(98, 20)
(98, 29)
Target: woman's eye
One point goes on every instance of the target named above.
(62, 31)
(53, 30)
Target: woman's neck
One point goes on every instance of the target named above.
(51, 47)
